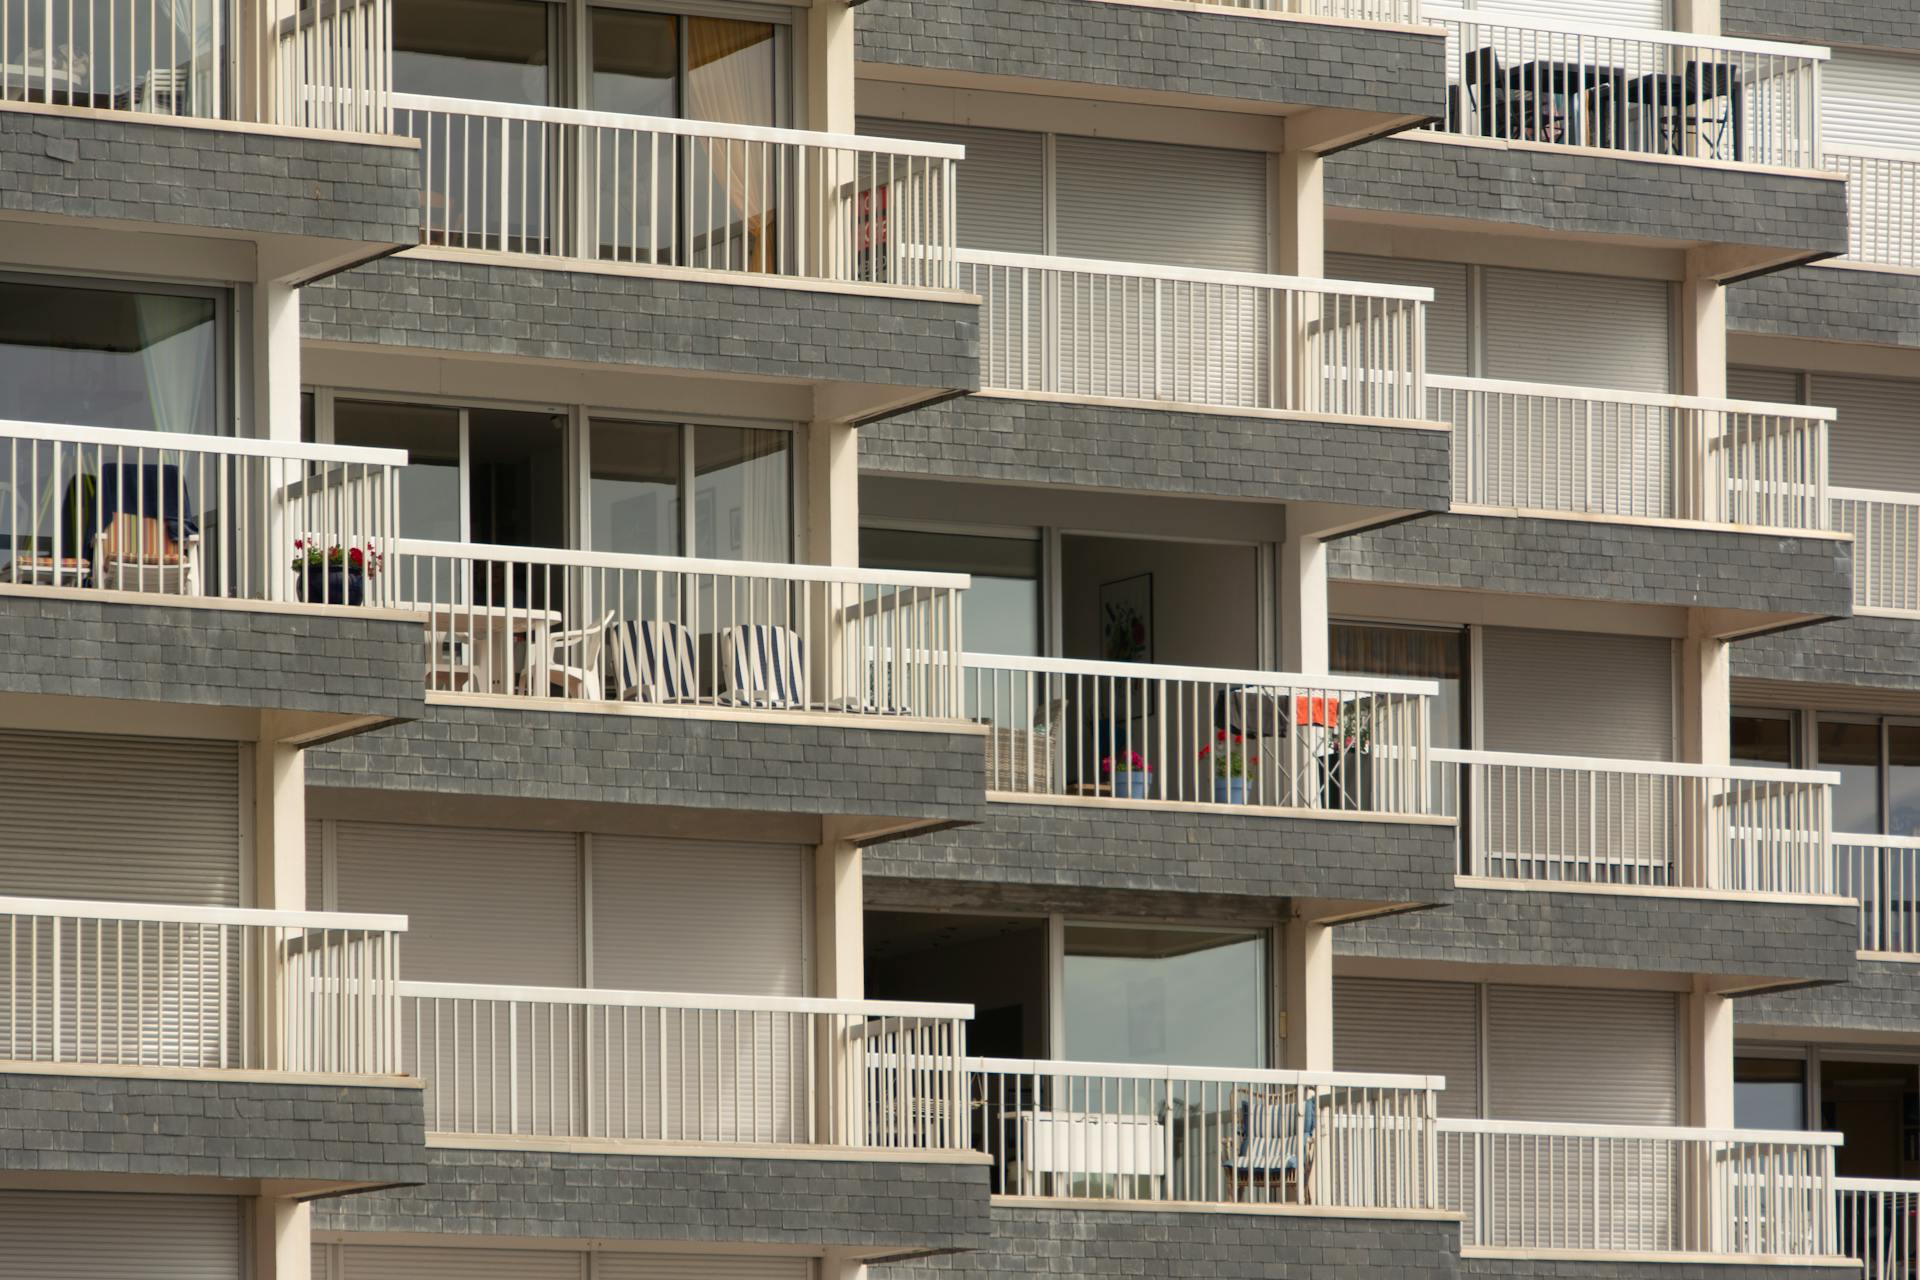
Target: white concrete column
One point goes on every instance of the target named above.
(836, 1265)
(1303, 604)
(279, 822)
(833, 494)
(839, 936)
(1309, 991)
(830, 67)
(1702, 17)
(1703, 336)
(1299, 214)
(1706, 700)
(1709, 1060)
(282, 1239)
(275, 335)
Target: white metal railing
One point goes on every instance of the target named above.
(1229, 339)
(668, 631)
(1622, 89)
(203, 516)
(604, 187)
(117, 984)
(1635, 822)
(1883, 873)
(1202, 735)
(1534, 1187)
(1880, 1225)
(1400, 11)
(1540, 447)
(1885, 524)
(639, 1066)
(1883, 204)
(1113, 1131)
(319, 63)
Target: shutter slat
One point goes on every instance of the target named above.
(1870, 99)
(1155, 202)
(1873, 438)
(1446, 314)
(1579, 330)
(108, 1236)
(1583, 1055)
(1418, 1028)
(1641, 15)
(1575, 693)
(1003, 205)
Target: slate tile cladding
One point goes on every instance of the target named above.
(1882, 995)
(753, 765)
(367, 1135)
(341, 661)
(1881, 24)
(284, 184)
(1794, 942)
(1618, 1269)
(1097, 446)
(863, 1204)
(1187, 51)
(1592, 194)
(1152, 851)
(1829, 304)
(720, 326)
(1644, 564)
(1084, 1240)
(1865, 651)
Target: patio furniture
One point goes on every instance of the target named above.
(146, 538)
(1552, 100)
(1667, 111)
(1077, 1145)
(1480, 100)
(1271, 1142)
(490, 636)
(571, 661)
(1022, 760)
(654, 662)
(766, 667)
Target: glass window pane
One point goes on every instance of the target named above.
(1159, 994)
(430, 482)
(730, 70)
(636, 62)
(491, 50)
(742, 494)
(109, 358)
(635, 498)
(1762, 741)
(636, 70)
(1769, 1093)
(516, 488)
(1903, 779)
(1411, 652)
(1853, 750)
(1000, 613)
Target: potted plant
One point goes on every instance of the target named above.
(334, 573)
(1228, 756)
(1346, 774)
(1129, 774)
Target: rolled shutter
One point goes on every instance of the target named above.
(1447, 324)
(483, 905)
(1159, 203)
(1641, 15)
(1003, 202)
(1583, 1055)
(458, 1262)
(1580, 330)
(1575, 693)
(684, 1266)
(1870, 99)
(106, 1236)
(1771, 386)
(120, 818)
(1414, 1028)
(1875, 441)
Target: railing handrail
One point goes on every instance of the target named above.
(196, 442)
(1438, 14)
(716, 1001)
(1901, 497)
(1871, 153)
(1194, 275)
(1561, 391)
(1662, 768)
(170, 913)
(1221, 1075)
(569, 558)
(1216, 675)
(676, 125)
(1676, 1133)
(1907, 1186)
(1875, 841)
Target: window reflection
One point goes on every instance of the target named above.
(1413, 653)
(1769, 1093)
(1852, 749)
(636, 488)
(109, 357)
(1761, 739)
(430, 482)
(1165, 994)
(742, 493)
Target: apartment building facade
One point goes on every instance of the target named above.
(1073, 637)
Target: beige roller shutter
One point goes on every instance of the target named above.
(458, 1262)
(483, 905)
(1160, 203)
(1641, 15)
(1447, 324)
(1003, 204)
(1871, 99)
(1413, 1028)
(105, 1236)
(699, 915)
(316, 865)
(1583, 1055)
(115, 818)
(693, 1266)
(1875, 441)
(1581, 330)
(1771, 386)
(1572, 693)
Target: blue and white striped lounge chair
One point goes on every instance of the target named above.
(654, 662)
(766, 666)
(1270, 1147)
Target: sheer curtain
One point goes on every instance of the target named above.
(730, 74)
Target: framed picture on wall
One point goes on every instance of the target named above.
(1126, 619)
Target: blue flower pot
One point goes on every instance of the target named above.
(1132, 785)
(321, 584)
(1229, 790)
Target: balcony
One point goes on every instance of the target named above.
(1883, 196)
(1529, 1189)
(1880, 1226)
(1578, 822)
(1079, 1132)
(1885, 524)
(539, 1066)
(1539, 449)
(1882, 873)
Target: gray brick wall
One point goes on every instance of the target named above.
(1608, 1269)
(758, 765)
(1081, 847)
(1863, 651)
(130, 170)
(1883, 24)
(1593, 194)
(351, 1135)
(1170, 1245)
(1159, 451)
(695, 325)
(1634, 564)
(908, 1207)
(344, 662)
(1829, 304)
(1882, 995)
(1793, 942)
(1174, 51)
